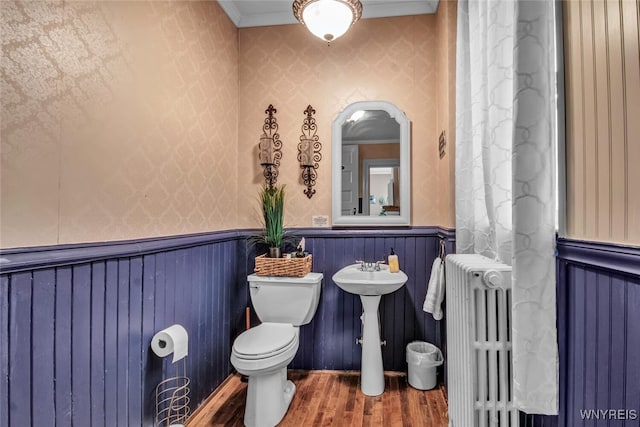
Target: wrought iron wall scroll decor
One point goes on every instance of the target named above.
(309, 151)
(270, 147)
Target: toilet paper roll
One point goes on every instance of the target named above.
(174, 340)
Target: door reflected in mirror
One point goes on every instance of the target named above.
(371, 165)
(381, 186)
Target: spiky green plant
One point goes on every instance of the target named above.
(271, 200)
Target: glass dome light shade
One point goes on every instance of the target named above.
(327, 19)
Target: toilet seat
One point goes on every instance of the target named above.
(265, 340)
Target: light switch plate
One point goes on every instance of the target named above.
(320, 221)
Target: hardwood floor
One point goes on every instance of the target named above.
(333, 398)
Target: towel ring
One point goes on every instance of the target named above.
(443, 250)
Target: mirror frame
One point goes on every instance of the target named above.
(404, 219)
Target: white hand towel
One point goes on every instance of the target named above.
(435, 290)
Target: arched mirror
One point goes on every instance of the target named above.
(370, 146)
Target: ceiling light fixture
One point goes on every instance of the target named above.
(357, 115)
(327, 19)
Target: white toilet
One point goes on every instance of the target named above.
(262, 353)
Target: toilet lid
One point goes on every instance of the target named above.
(265, 339)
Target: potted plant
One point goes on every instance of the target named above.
(272, 203)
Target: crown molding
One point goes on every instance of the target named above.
(279, 12)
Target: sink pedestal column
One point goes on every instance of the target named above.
(371, 371)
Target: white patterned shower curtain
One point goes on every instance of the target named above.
(505, 173)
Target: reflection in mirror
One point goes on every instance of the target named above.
(370, 165)
(380, 186)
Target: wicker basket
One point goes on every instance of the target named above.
(283, 267)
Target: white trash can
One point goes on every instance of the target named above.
(423, 360)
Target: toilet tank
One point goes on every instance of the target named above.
(291, 300)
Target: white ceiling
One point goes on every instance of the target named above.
(258, 13)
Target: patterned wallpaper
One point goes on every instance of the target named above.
(119, 120)
(391, 59)
(124, 120)
(446, 93)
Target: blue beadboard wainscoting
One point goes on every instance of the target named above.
(600, 367)
(76, 321)
(329, 341)
(598, 336)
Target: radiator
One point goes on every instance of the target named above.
(478, 310)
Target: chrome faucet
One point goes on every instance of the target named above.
(369, 266)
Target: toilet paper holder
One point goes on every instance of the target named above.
(172, 398)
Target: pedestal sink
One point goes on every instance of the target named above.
(370, 285)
